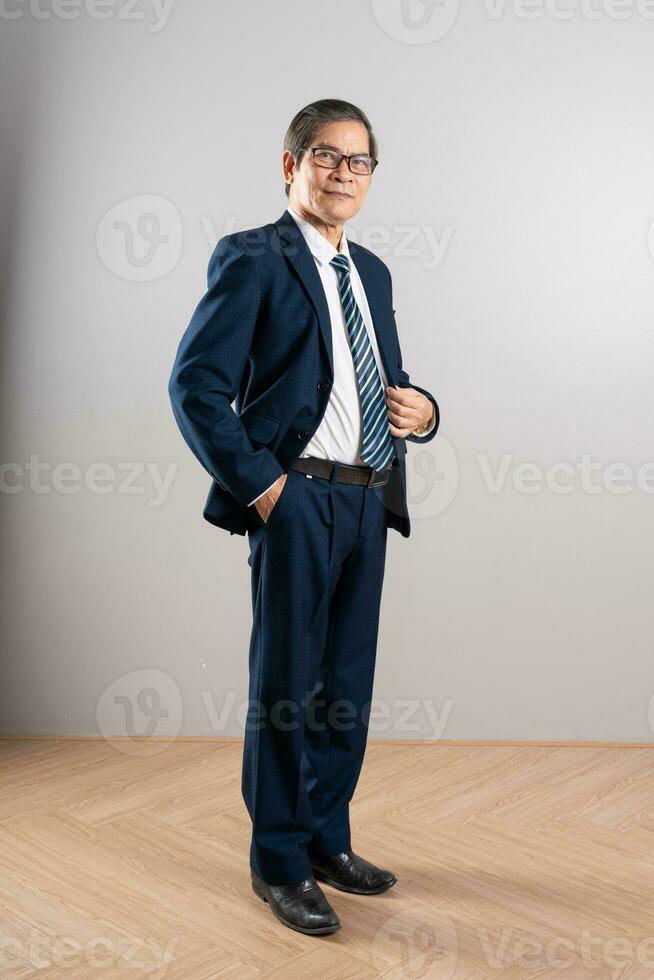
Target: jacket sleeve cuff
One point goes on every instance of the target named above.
(262, 493)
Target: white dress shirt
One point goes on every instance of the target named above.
(338, 436)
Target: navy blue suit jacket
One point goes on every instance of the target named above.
(261, 337)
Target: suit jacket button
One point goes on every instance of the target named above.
(303, 434)
(323, 385)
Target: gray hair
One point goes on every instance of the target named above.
(306, 124)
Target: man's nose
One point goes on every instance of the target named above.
(343, 171)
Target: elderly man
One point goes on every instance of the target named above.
(297, 327)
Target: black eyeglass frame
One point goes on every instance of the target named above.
(341, 157)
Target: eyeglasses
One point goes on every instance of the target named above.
(331, 159)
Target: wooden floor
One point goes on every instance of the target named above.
(131, 860)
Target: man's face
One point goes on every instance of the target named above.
(334, 196)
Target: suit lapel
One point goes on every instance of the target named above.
(296, 250)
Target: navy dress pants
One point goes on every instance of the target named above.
(317, 573)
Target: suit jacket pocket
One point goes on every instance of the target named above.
(259, 427)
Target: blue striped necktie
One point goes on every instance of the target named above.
(376, 444)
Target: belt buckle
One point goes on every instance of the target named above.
(373, 473)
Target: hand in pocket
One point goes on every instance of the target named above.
(267, 503)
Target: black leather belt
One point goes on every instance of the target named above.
(347, 473)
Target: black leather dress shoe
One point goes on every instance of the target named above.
(301, 905)
(352, 873)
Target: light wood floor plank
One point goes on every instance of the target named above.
(508, 858)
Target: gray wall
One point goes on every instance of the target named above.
(513, 204)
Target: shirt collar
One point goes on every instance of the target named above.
(322, 250)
